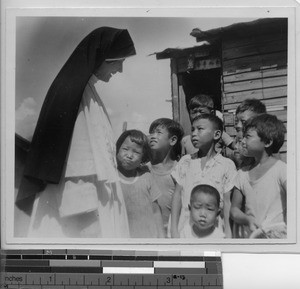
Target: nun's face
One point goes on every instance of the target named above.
(108, 69)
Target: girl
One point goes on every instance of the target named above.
(140, 192)
(263, 183)
(203, 167)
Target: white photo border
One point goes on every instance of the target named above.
(173, 9)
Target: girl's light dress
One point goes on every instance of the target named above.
(88, 201)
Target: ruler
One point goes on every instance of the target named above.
(72, 269)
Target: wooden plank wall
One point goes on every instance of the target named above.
(255, 67)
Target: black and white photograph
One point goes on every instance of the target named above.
(149, 127)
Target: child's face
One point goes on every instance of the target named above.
(252, 145)
(160, 139)
(203, 134)
(204, 210)
(130, 155)
(199, 110)
(241, 118)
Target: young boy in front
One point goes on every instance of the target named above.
(204, 210)
(164, 140)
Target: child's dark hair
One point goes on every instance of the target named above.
(203, 100)
(206, 189)
(251, 104)
(174, 129)
(268, 128)
(137, 137)
(217, 122)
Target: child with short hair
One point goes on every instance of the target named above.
(207, 166)
(203, 104)
(248, 108)
(164, 141)
(204, 210)
(263, 183)
(139, 190)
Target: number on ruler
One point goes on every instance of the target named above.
(108, 280)
(168, 280)
(182, 277)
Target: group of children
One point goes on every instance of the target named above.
(184, 187)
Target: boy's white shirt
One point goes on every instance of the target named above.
(218, 172)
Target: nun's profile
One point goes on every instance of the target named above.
(70, 184)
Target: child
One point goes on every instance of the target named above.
(207, 166)
(247, 109)
(203, 104)
(263, 183)
(140, 192)
(164, 141)
(204, 209)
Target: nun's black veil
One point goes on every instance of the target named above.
(53, 133)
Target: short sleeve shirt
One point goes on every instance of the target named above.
(218, 172)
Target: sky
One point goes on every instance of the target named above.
(139, 95)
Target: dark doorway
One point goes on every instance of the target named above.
(203, 81)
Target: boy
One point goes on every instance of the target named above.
(247, 109)
(262, 184)
(207, 166)
(164, 141)
(204, 210)
(203, 104)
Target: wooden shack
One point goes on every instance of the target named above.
(233, 63)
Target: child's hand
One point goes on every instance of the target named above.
(252, 224)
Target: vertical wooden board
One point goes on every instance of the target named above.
(184, 119)
(174, 90)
